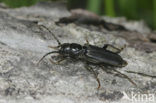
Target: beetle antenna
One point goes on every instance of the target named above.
(142, 74)
(47, 55)
(59, 43)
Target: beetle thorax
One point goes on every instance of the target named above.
(72, 50)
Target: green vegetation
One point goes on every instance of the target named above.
(131, 9)
(19, 3)
(93, 5)
(128, 8)
(109, 7)
(154, 13)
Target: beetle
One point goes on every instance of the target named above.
(90, 54)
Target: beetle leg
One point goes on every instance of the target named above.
(57, 62)
(89, 68)
(118, 50)
(86, 38)
(125, 76)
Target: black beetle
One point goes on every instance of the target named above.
(91, 55)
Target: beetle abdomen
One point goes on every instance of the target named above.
(102, 56)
